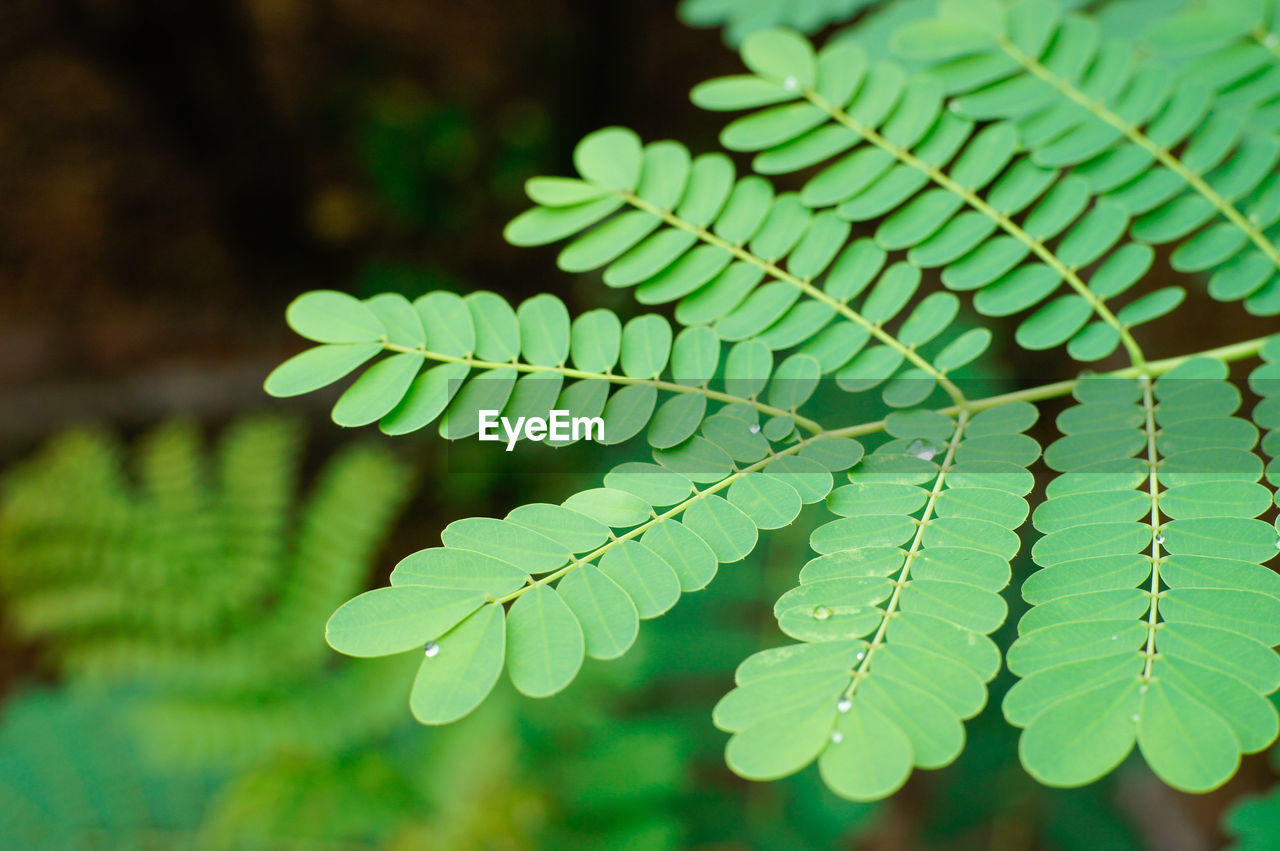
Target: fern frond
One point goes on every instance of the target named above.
(604, 560)
(696, 236)
(1086, 104)
(942, 188)
(188, 580)
(1231, 46)
(895, 612)
(1153, 620)
(523, 361)
(238, 725)
(71, 778)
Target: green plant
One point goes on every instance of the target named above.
(194, 578)
(1035, 163)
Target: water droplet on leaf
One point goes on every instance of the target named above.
(844, 704)
(1160, 539)
(922, 449)
(821, 613)
(791, 84)
(754, 428)
(837, 736)
(430, 649)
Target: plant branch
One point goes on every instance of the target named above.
(804, 286)
(1035, 246)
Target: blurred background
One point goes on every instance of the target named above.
(174, 172)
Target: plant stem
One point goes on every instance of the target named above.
(669, 386)
(774, 271)
(1005, 223)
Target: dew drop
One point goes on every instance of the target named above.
(754, 428)
(1134, 717)
(791, 84)
(844, 704)
(821, 613)
(1271, 40)
(1142, 689)
(1160, 539)
(430, 649)
(953, 106)
(922, 450)
(859, 656)
(837, 736)
(1114, 637)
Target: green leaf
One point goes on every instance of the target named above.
(560, 191)
(607, 615)
(496, 327)
(628, 411)
(650, 482)
(392, 620)
(610, 157)
(317, 367)
(426, 398)
(783, 56)
(447, 322)
(676, 420)
(543, 225)
(646, 345)
(575, 531)
(769, 502)
(544, 330)
(378, 391)
(463, 670)
(963, 349)
(328, 316)
(506, 541)
(872, 758)
(615, 508)
(695, 356)
(648, 580)
(398, 316)
(940, 39)
(488, 391)
(1083, 737)
(545, 643)
(442, 567)
(1187, 746)
(727, 529)
(691, 558)
(783, 744)
(596, 340)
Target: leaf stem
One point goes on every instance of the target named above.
(1232, 352)
(658, 518)
(1142, 140)
(1035, 246)
(669, 386)
(1153, 487)
(774, 271)
(891, 608)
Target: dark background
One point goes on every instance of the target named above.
(174, 172)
